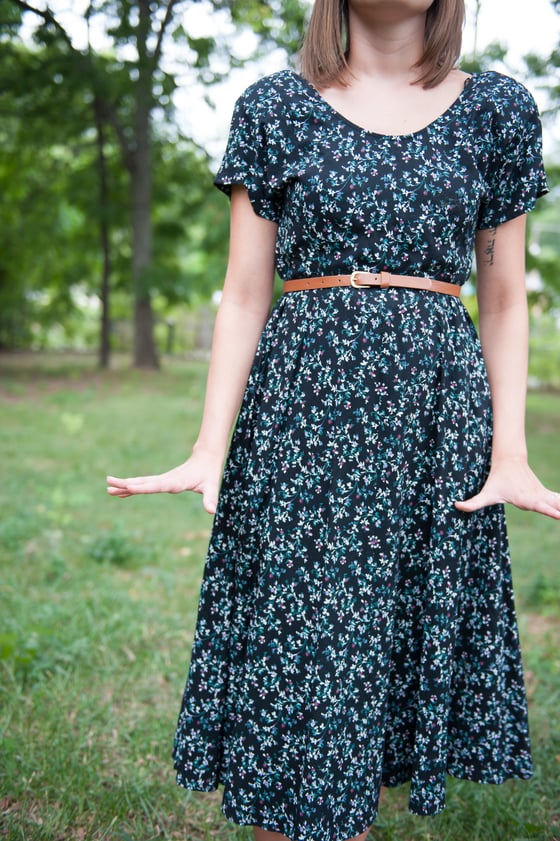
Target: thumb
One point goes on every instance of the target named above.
(210, 500)
(474, 503)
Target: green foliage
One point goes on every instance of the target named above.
(49, 225)
(115, 92)
(191, 224)
(543, 593)
(493, 54)
(544, 350)
(278, 22)
(49, 241)
(544, 242)
(39, 655)
(10, 20)
(118, 547)
(113, 548)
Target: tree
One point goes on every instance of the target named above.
(478, 60)
(126, 89)
(38, 217)
(49, 170)
(128, 109)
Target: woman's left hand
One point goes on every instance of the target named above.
(512, 480)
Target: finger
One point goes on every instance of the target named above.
(554, 500)
(118, 492)
(126, 488)
(114, 489)
(210, 500)
(134, 486)
(549, 511)
(144, 485)
(210, 504)
(475, 503)
(138, 481)
(115, 482)
(549, 505)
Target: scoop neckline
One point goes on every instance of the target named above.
(457, 102)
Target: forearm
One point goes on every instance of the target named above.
(503, 318)
(504, 337)
(236, 335)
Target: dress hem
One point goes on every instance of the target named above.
(418, 810)
(273, 827)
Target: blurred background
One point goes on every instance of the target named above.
(114, 115)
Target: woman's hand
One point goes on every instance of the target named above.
(201, 473)
(512, 480)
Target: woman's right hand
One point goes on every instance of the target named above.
(201, 473)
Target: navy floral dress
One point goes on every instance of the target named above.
(355, 629)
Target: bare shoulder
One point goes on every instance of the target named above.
(455, 81)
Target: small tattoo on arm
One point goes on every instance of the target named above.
(490, 246)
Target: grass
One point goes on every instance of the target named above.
(98, 602)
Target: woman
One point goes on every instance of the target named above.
(356, 626)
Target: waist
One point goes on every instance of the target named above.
(363, 280)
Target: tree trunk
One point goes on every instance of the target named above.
(105, 290)
(476, 21)
(145, 354)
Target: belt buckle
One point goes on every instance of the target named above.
(353, 281)
(381, 279)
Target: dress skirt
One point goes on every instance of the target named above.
(355, 629)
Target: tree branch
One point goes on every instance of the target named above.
(48, 17)
(156, 55)
(112, 118)
(108, 108)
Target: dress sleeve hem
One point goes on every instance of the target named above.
(262, 207)
(512, 212)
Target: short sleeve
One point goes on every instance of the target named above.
(250, 158)
(516, 177)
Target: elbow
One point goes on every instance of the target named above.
(499, 292)
(250, 298)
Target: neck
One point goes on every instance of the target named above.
(382, 45)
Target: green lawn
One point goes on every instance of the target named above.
(98, 604)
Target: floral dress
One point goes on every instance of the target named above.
(355, 629)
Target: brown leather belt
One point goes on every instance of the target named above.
(363, 279)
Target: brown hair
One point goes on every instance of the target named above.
(323, 56)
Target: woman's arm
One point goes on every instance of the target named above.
(242, 313)
(502, 305)
(244, 308)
